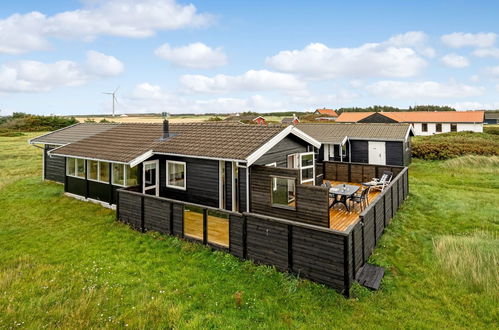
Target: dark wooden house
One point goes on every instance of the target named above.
(253, 191)
(376, 144)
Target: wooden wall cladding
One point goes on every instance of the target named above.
(157, 215)
(312, 202)
(356, 172)
(130, 210)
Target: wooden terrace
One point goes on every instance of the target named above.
(339, 218)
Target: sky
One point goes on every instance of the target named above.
(209, 56)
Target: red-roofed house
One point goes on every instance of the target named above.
(423, 122)
(326, 114)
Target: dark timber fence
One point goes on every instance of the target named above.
(314, 252)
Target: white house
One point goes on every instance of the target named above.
(423, 122)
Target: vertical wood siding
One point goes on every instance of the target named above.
(279, 153)
(54, 167)
(360, 151)
(312, 202)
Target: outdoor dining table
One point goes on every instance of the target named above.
(344, 191)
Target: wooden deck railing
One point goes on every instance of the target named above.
(314, 252)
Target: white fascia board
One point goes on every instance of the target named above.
(268, 145)
(278, 138)
(304, 136)
(141, 158)
(409, 130)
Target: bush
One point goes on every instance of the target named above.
(451, 145)
(32, 123)
(491, 129)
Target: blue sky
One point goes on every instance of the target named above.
(57, 57)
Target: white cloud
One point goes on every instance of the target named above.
(475, 106)
(422, 90)
(455, 61)
(493, 71)
(252, 80)
(460, 39)
(152, 98)
(103, 65)
(317, 61)
(415, 39)
(475, 78)
(487, 52)
(196, 55)
(34, 76)
(123, 18)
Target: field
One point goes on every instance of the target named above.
(69, 264)
(172, 119)
(146, 119)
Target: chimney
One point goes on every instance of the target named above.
(166, 129)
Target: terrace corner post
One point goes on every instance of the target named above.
(346, 261)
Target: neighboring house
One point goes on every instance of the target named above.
(380, 144)
(423, 122)
(290, 120)
(326, 114)
(248, 119)
(491, 117)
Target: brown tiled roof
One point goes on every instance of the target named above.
(127, 141)
(335, 133)
(419, 116)
(73, 133)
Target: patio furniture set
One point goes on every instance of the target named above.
(346, 194)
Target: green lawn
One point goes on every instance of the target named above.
(68, 264)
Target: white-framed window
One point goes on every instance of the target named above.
(283, 192)
(98, 171)
(176, 174)
(307, 167)
(123, 175)
(274, 185)
(75, 167)
(331, 151)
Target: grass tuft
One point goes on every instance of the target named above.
(472, 259)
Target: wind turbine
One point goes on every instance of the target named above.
(114, 96)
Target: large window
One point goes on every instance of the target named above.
(307, 167)
(119, 174)
(175, 174)
(453, 127)
(283, 192)
(438, 128)
(124, 175)
(98, 171)
(131, 175)
(424, 127)
(75, 167)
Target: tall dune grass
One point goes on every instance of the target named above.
(472, 259)
(488, 164)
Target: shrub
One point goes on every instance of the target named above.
(24, 122)
(451, 145)
(491, 130)
(216, 118)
